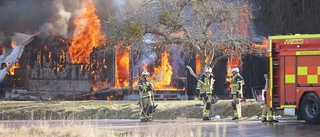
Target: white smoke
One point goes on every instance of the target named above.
(60, 24)
(118, 3)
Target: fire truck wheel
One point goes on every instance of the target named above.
(310, 108)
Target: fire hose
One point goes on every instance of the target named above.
(212, 66)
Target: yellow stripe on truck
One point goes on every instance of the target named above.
(287, 106)
(302, 53)
(302, 36)
(271, 72)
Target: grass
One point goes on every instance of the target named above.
(180, 111)
(52, 110)
(62, 131)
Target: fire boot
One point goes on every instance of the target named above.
(144, 120)
(235, 118)
(205, 118)
(271, 114)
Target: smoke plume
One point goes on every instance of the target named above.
(49, 17)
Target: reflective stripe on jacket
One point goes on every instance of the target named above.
(236, 83)
(205, 84)
(145, 88)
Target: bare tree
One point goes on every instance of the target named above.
(204, 27)
(287, 17)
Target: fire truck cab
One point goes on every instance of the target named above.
(294, 75)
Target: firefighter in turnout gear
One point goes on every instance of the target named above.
(206, 91)
(236, 92)
(146, 91)
(268, 114)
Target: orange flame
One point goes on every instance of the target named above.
(16, 65)
(100, 84)
(167, 70)
(122, 67)
(11, 70)
(87, 34)
(198, 64)
(232, 63)
(2, 49)
(145, 67)
(162, 74)
(263, 45)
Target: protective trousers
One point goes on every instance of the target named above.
(264, 110)
(146, 109)
(235, 105)
(207, 107)
(268, 114)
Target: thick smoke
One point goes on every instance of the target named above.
(49, 17)
(33, 16)
(25, 16)
(60, 24)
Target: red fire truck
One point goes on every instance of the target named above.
(294, 75)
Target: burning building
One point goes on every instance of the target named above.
(50, 71)
(84, 66)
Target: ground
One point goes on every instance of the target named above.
(51, 110)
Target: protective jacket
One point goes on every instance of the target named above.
(236, 83)
(205, 84)
(145, 88)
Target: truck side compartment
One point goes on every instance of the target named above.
(294, 71)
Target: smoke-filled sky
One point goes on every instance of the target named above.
(51, 16)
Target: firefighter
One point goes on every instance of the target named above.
(206, 91)
(237, 83)
(146, 89)
(268, 114)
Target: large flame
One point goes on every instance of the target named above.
(122, 67)
(164, 69)
(162, 74)
(87, 34)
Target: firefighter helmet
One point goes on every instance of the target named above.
(236, 70)
(145, 73)
(208, 70)
(214, 99)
